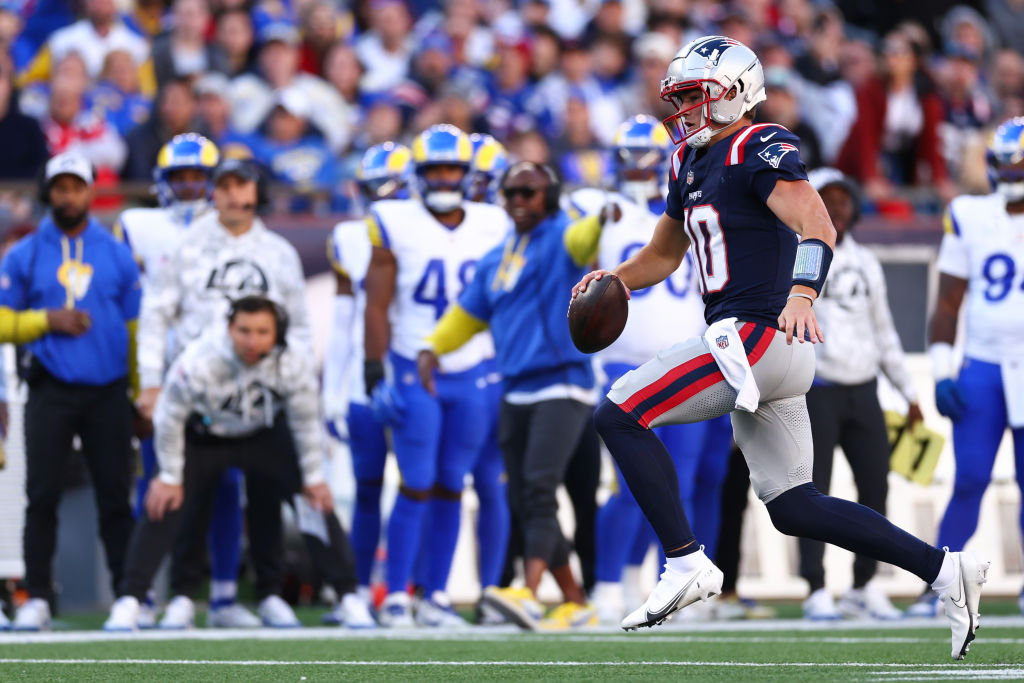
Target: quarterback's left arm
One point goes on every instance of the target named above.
(799, 206)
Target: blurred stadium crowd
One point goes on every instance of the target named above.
(898, 97)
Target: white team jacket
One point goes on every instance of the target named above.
(193, 290)
(237, 400)
(854, 315)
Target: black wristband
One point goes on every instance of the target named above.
(813, 257)
(373, 374)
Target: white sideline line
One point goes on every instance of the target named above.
(918, 669)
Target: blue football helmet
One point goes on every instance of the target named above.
(441, 145)
(490, 161)
(186, 151)
(384, 172)
(1006, 151)
(641, 153)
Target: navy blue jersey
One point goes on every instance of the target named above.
(745, 254)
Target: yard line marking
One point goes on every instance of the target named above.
(939, 669)
(930, 674)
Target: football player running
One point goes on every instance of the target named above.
(424, 251)
(763, 243)
(699, 450)
(383, 173)
(981, 259)
(182, 179)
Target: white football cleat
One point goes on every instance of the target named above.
(437, 612)
(676, 590)
(179, 615)
(124, 615)
(232, 615)
(276, 613)
(868, 602)
(147, 615)
(961, 600)
(34, 615)
(351, 611)
(819, 606)
(396, 611)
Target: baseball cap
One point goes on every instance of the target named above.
(823, 177)
(293, 101)
(212, 83)
(654, 45)
(279, 31)
(69, 163)
(243, 168)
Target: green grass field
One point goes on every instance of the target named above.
(781, 650)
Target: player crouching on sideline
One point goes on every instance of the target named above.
(218, 409)
(745, 186)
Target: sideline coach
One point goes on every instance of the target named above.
(70, 294)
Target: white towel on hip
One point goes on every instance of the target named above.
(1013, 389)
(727, 350)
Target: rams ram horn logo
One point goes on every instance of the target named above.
(774, 152)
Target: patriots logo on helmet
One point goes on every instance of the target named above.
(774, 152)
(714, 47)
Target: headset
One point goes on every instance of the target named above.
(280, 315)
(552, 193)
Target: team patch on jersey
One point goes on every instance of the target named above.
(689, 177)
(722, 342)
(774, 152)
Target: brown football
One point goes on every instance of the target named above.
(598, 315)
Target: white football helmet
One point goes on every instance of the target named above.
(714, 65)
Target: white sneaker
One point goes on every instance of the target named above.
(124, 615)
(179, 615)
(5, 623)
(609, 600)
(396, 611)
(232, 615)
(961, 600)
(868, 602)
(351, 611)
(34, 615)
(676, 590)
(276, 613)
(928, 606)
(819, 606)
(147, 615)
(437, 612)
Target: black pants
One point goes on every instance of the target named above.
(537, 442)
(850, 417)
(270, 464)
(582, 477)
(102, 417)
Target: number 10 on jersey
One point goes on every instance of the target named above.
(705, 231)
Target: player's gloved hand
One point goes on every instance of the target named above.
(387, 405)
(373, 374)
(337, 428)
(949, 400)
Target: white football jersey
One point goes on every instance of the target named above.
(659, 316)
(349, 251)
(434, 265)
(152, 234)
(984, 245)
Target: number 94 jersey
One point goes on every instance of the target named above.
(434, 264)
(743, 253)
(984, 245)
(659, 316)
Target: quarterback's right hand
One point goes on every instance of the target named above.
(387, 405)
(581, 286)
(146, 402)
(162, 498)
(68, 321)
(949, 400)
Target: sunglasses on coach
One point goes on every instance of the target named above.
(524, 192)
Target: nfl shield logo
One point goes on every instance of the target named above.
(689, 177)
(723, 342)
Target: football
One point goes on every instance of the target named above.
(598, 315)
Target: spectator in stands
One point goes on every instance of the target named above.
(117, 94)
(385, 50)
(466, 25)
(323, 26)
(175, 113)
(513, 106)
(70, 294)
(968, 110)
(1007, 20)
(343, 71)
(965, 28)
(70, 126)
(652, 53)
(783, 107)
(234, 39)
(22, 141)
(608, 20)
(92, 37)
(895, 139)
(529, 145)
(1006, 79)
(545, 52)
(213, 108)
(34, 98)
(183, 50)
(583, 160)
(577, 78)
(252, 96)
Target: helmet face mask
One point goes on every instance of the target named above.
(185, 197)
(439, 146)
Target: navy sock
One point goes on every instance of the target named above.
(805, 511)
(647, 468)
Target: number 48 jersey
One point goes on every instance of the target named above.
(743, 253)
(984, 245)
(434, 264)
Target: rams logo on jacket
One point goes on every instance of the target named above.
(238, 277)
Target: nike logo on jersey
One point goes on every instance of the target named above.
(768, 137)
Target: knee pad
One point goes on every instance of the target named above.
(789, 511)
